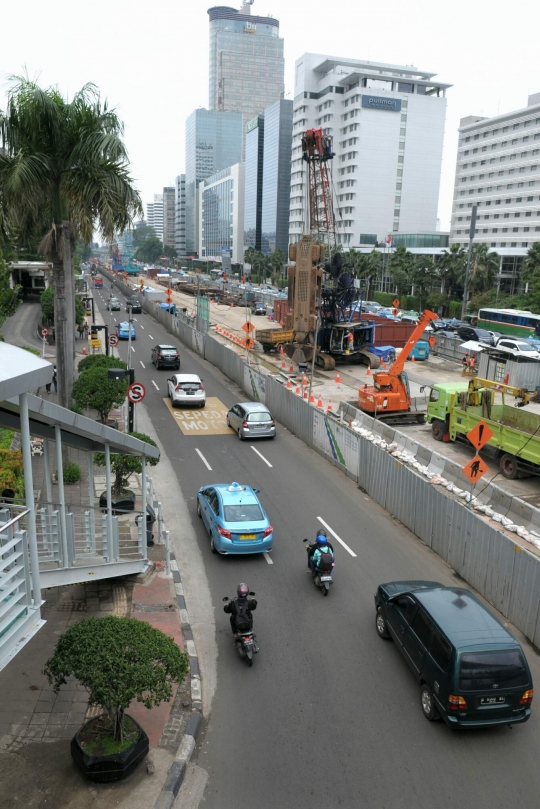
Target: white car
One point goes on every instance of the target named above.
(518, 347)
(186, 389)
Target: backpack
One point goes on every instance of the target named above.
(325, 562)
(242, 620)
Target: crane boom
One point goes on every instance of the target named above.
(425, 318)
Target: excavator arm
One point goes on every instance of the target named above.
(425, 318)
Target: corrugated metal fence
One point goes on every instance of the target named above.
(506, 574)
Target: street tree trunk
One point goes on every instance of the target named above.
(64, 318)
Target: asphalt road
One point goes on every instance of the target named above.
(329, 714)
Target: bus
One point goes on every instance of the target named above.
(509, 321)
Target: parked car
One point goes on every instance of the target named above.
(186, 389)
(135, 305)
(472, 671)
(113, 305)
(372, 304)
(122, 331)
(234, 518)
(251, 420)
(479, 335)
(258, 308)
(518, 347)
(165, 356)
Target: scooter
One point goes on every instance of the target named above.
(322, 578)
(245, 642)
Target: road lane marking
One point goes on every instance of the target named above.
(267, 557)
(141, 327)
(209, 420)
(133, 349)
(142, 363)
(203, 459)
(336, 536)
(261, 456)
(154, 384)
(150, 336)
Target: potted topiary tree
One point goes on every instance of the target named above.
(123, 498)
(118, 660)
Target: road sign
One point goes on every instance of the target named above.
(168, 295)
(475, 469)
(248, 327)
(249, 342)
(113, 340)
(44, 332)
(136, 392)
(480, 435)
(395, 312)
(395, 303)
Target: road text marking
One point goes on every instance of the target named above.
(209, 420)
(267, 557)
(154, 384)
(336, 536)
(203, 459)
(261, 456)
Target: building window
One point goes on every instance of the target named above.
(503, 244)
(524, 244)
(528, 213)
(495, 230)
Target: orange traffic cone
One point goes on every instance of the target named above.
(319, 402)
(338, 378)
(297, 390)
(281, 349)
(283, 366)
(84, 351)
(413, 359)
(291, 369)
(289, 386)
(368, 372)
(329, 408)
(304, 380)
(305, 393)
(312, 399)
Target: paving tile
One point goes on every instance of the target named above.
(61, 707)
(39, 719)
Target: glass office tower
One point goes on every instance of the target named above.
(253, 183)
(246, 70)
(213, 142)
(276, 187)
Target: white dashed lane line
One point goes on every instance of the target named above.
(154, 384)
(267, 557)
(133, 349)
(261, 456)
(203, 459)
(142, 363)
(336, 536)
(150, 336)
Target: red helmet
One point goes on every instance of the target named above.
(242, 590)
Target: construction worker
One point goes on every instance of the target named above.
(472, 365)
(465, 364)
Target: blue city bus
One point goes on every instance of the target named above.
(509, 321)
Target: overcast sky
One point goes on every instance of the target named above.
(150, 59)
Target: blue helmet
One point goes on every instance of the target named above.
(322, 539)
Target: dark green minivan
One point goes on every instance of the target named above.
(472, 671)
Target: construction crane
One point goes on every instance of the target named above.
(390, 396)
(474, 391)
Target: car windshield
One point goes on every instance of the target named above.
(189, 387)
(479, 670)
(243, 513)
(525, 347)
(168, 352)
(259, 416)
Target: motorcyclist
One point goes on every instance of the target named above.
(241, 607)
(315, 550)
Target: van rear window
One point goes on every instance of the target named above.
(480, 670)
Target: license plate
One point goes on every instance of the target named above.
(498, 700)
(326, 578)
(248, 536)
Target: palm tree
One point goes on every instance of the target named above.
(484, 269)
(424, 275)
(402, 270)
(531, 270)
(64, 165)
(451, 270)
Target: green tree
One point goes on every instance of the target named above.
(484, 269)
(118, 660)
(451, 267)
(169, 251)
(94, 389)
(276, 261)
(141, 233)
(9, 300)
(149, 250)
(63, 164)
(402, 268)
(101, 361)
(425, 274)
(46, 300)
(125, 465)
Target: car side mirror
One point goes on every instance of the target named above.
(256, 491)
(251, 593)
(226, 598)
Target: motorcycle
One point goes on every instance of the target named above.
(321, 578)
(245, 642)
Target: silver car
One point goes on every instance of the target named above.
(186, 389)
(251, 420)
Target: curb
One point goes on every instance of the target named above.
(177, 770)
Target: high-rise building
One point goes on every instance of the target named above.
(387, 123)
(169, 216)
(253, 182)
(268, 179)
(213, 142)
(221, 214)
(154, 215)
(180, 214)
(246, 71)
(498, 170)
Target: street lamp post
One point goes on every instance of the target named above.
(469, 257)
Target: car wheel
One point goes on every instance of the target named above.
(438, 429)
(212, 546)
(509, 467)
(203, 404)
(199, 509)
(380, 625)
(427, 702)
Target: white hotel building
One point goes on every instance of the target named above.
(387, 123)
(498, 170)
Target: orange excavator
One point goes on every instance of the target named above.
(389, 398)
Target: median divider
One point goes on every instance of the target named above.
(472, 530)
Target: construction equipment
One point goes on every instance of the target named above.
(476, 385)
(389, 398)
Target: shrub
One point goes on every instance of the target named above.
(125, 465)
(11, 469)
(94, 389)
(72, 473)
(118, 660)
(6, 437)
(100, 361)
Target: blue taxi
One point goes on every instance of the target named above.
(234, 518)
(122, 330)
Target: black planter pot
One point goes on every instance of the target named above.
(115, 767)
(119, 504)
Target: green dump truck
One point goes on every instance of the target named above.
(454, 408)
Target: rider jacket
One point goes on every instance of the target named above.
(231, 607)
(316, 550)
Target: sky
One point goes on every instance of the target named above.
(150, 59)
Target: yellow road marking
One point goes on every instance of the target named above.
(209, 420)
